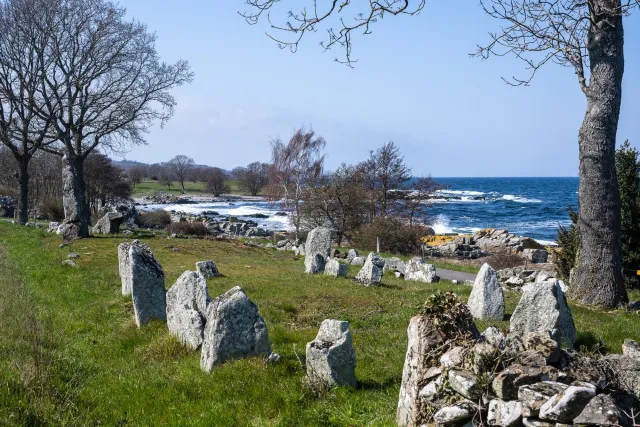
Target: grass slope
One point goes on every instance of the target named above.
(149, 187)
(70, 353)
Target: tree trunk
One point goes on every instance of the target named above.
(23, 197)
(74, 194)
(598, 279)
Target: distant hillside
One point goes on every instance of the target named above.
(127, 164)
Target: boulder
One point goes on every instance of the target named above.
(631, 348)
(536, 256)
(465, 384)
(603, 410)
(494, 336)
(234, 329)
(370, 273)
(318, 243)
(358, 260)
(331, 359)
(417, 270)
(351, 255)
(543, 307)
(69, 263)
(187, 302)
(627, 372)
(334, 268)
(567, 405)
(542, 344)
(504, 414)
(108, 224)
(487, 300)
(394, 264)
(207, 269)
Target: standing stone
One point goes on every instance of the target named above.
(207, 269)
(234, 330)
(124, 266)
(358, 260)
(487, 300)
(417, 270)
(543, 307)
(318, 243)
(425, 336)
(351, 255)
(143, 277)
(187, 302)
(370, 273)
(108, 224)
(334, 268)
(331, 359)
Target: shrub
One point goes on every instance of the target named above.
(154, 219)
(53, 210)
(568, 241)
(501, 261)
(188, 229)
(396, 235)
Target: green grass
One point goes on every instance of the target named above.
(148, 187)
(70, 353)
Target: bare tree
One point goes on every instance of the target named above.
(584, 35)
(416, 200)
(216, 180)
(22, 130)
(181, 165)
(136, 175)
(104, 85)
(254, 177)
(385, 170)
(295, 169)
(588, 37)
(165, 176)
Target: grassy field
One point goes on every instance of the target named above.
(148, 187)
(70, 353)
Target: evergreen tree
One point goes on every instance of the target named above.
(628, 170)
(568, 241)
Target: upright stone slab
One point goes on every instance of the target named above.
(331, 359)
(207, 269)
(334, 268)
(124, 266)
(370, 273)
(146, 278)
(318, 243)
(351, 255)
(234, 330)
(543, 307)
(187, 302)
(108, 224)
(486, 300)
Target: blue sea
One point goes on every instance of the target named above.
(532, 207)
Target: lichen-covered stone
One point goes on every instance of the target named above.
(318, 243)
(208, 269)
(331, 359)
(334, 268)
(487, 300)
(187, 302)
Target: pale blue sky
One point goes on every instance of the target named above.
(415, 84)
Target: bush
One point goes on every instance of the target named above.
(568, 241)
(53, 210)
(396, 236)
(502, 261)
(155, 219)
(188, 229)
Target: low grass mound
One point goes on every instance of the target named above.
(70, 353)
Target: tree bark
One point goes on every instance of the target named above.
(23, 196)
(74, 194)
(599, 279)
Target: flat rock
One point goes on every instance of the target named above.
(567, 405)
(455, 414)
(234, 330)
(464, 383)
(187, 302)
(331, 359)
(543, 307)
(487, 300)
(507, 383)
(504, 414)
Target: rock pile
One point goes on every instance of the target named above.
(453, 376)
(418, 270)
(331, 359)
(143, 278)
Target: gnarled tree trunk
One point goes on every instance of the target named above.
(23, 196)
(599, 279)
(74, 194)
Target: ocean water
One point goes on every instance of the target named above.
(532, 207)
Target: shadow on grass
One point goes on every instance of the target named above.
(392, 381)
(588, 341)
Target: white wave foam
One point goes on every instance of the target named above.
(519, 199)
(461, 192)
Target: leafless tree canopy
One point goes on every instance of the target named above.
(351, 17)
(558, 31)
(180, 165)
